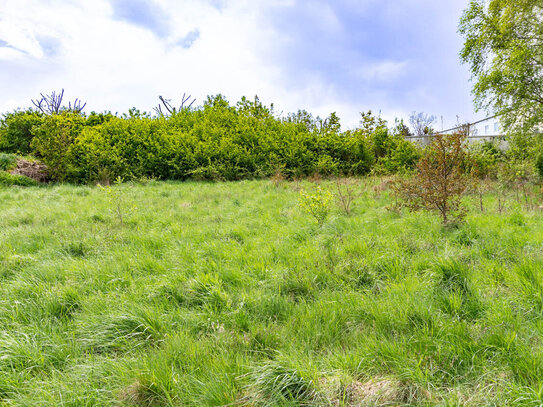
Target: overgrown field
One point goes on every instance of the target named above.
(229, 294)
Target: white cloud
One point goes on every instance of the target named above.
(19, 39)
(381, 70)
(80, 45)
(114, 64)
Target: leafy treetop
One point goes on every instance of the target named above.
(504, 49)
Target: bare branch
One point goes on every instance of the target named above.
(166, 103)
(52, 104)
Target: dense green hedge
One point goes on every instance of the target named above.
(215, 141)
(16, 131)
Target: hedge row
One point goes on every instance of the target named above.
(215, 141)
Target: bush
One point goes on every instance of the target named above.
(7, 161)
(440, 180)
(392, 152)
(316, 204)
(401, 157)
(539, 165)
(214, 142)
(484, 159)
(217, 142)
(53, 142)
(16, 130)
(7, 179)
(525, 146)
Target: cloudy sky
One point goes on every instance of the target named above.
(348, 56)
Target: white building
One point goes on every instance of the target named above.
(489, 129)
(486, 129)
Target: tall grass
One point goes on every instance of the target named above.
(231, 294)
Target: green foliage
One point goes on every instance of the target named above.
(215, 142)
(483, 159)
(401, 156)
(16, 130)
(317, 204)
(504, 47)
(7, 161)
(380, 141)
(525, 146)
(440, 181)
(539, 165)
(7, 179)
(53, 142)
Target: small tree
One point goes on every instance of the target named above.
(345, 194)
(503, 48)
(439, 182)
(421, 123)
(316, 204)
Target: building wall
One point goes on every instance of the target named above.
(489, 127)
(486, 130)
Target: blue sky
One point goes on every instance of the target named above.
(348, 56)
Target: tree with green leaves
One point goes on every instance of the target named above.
(504, 49)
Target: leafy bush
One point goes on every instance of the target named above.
(53, 142)
(401, 156)
(483, 159)
(217, 141)
(381, 141)
(16, 130)
(391, 151)
(539, 165)
(440, 181)
(316, 204)
(7, 161)
(7, 179)
(525, 146)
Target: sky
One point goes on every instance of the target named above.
(346, 56)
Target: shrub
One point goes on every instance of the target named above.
(217, 142)
(316, 204)
(53, 142)
(401, 156)
(7, 161)
(16, 130)
(521, 178)
(392, 152)
(524, 146)
(7, 179)
(345, 194)
(116, 197)
(439, 182)
(484, 159)
(381, 141)
(214, 142)
(539, 165)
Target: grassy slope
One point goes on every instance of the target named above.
(215, 293)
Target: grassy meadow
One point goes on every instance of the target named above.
(215, 294)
